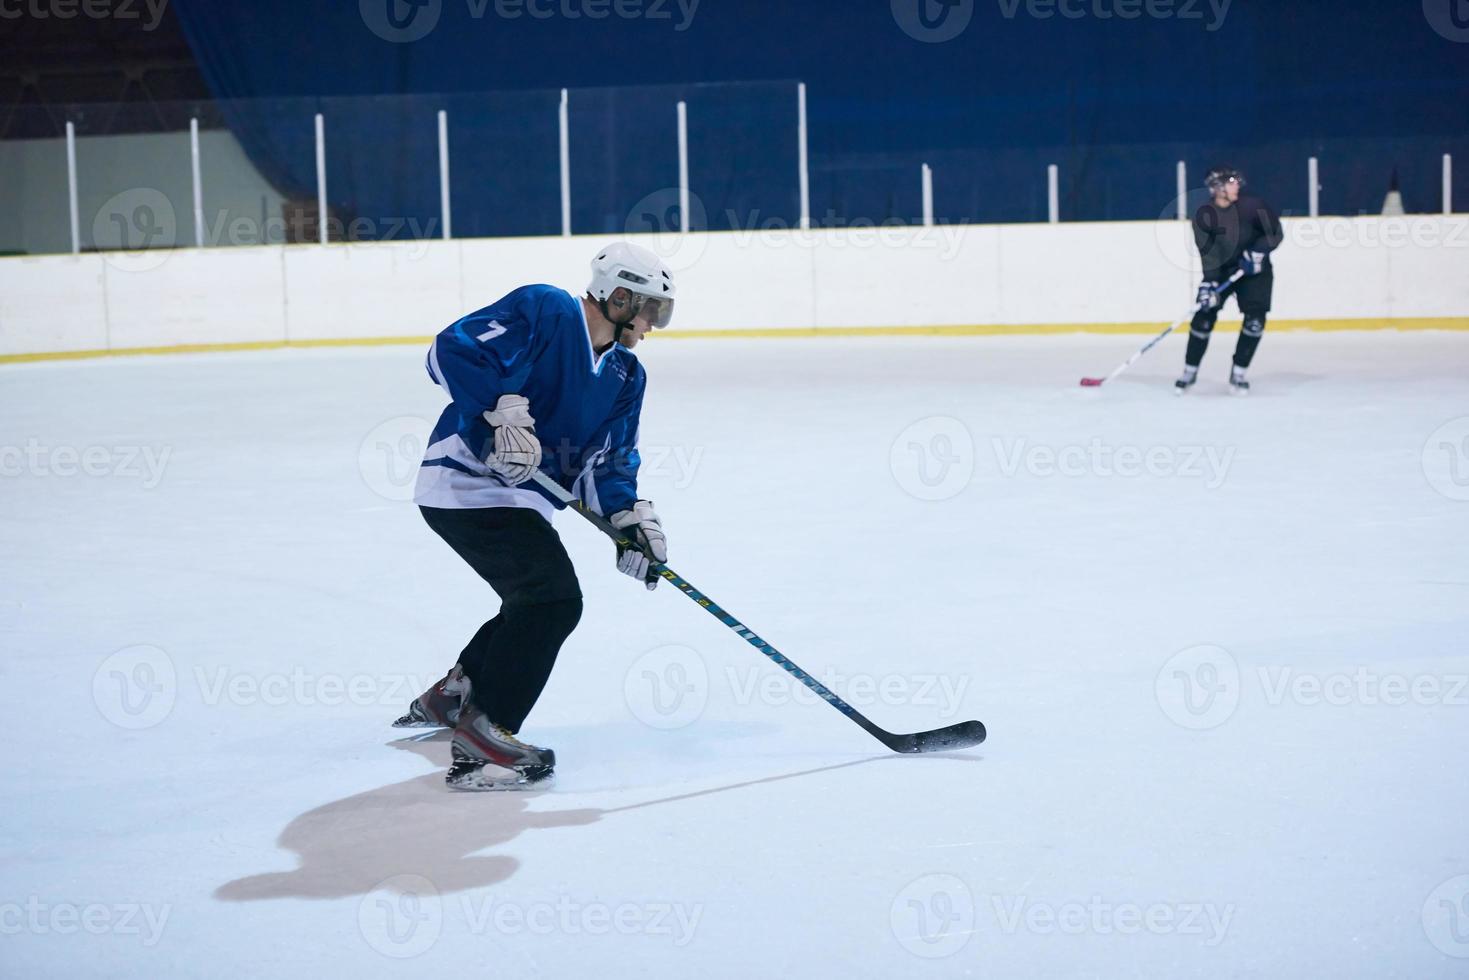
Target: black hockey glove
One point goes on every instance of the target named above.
(1208, 298)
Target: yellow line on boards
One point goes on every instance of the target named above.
(957, 330)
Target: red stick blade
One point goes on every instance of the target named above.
(1091, 382)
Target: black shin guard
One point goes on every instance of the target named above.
(1198, 336)
(1249, 339)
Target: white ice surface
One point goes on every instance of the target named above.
(260, 810)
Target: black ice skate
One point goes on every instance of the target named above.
(438, 707)
(489, 757)
(1237, 383)
(1186, 380)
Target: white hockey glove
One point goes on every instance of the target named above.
(1208, 298)
(641, 524)
(517, 450)
(1253, 263)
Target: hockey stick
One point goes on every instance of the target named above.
(1098, 382)
(960, 736)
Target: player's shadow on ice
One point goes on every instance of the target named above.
(349, 847)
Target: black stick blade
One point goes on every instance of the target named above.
(960, 736)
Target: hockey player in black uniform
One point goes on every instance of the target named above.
(1232, 232)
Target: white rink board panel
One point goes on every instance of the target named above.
(52, 303)
(192, 296)
(382, 289)
(1330, 272)
(908, 277)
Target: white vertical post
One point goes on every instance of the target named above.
(444, 173)
(927, 196)
(802, 160)
(321, 178)
(1182, 191)
(1448, 184)
(683, 166)
(565, 166)
(71, 187)
(1313, 177)
(198, 184)
(1053, 192)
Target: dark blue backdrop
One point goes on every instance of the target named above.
(1370, 87)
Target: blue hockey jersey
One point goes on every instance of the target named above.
(534, 342)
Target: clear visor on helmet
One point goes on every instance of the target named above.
(656, 310)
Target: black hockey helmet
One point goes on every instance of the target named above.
(1217, 177)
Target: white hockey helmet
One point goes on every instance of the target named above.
(634, 268)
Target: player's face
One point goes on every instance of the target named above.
(1230, 190)
(636, 330)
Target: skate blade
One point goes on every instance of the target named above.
(489, 778)
(409, 721)
(417, 717)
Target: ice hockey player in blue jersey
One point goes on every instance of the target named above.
(539, 380)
